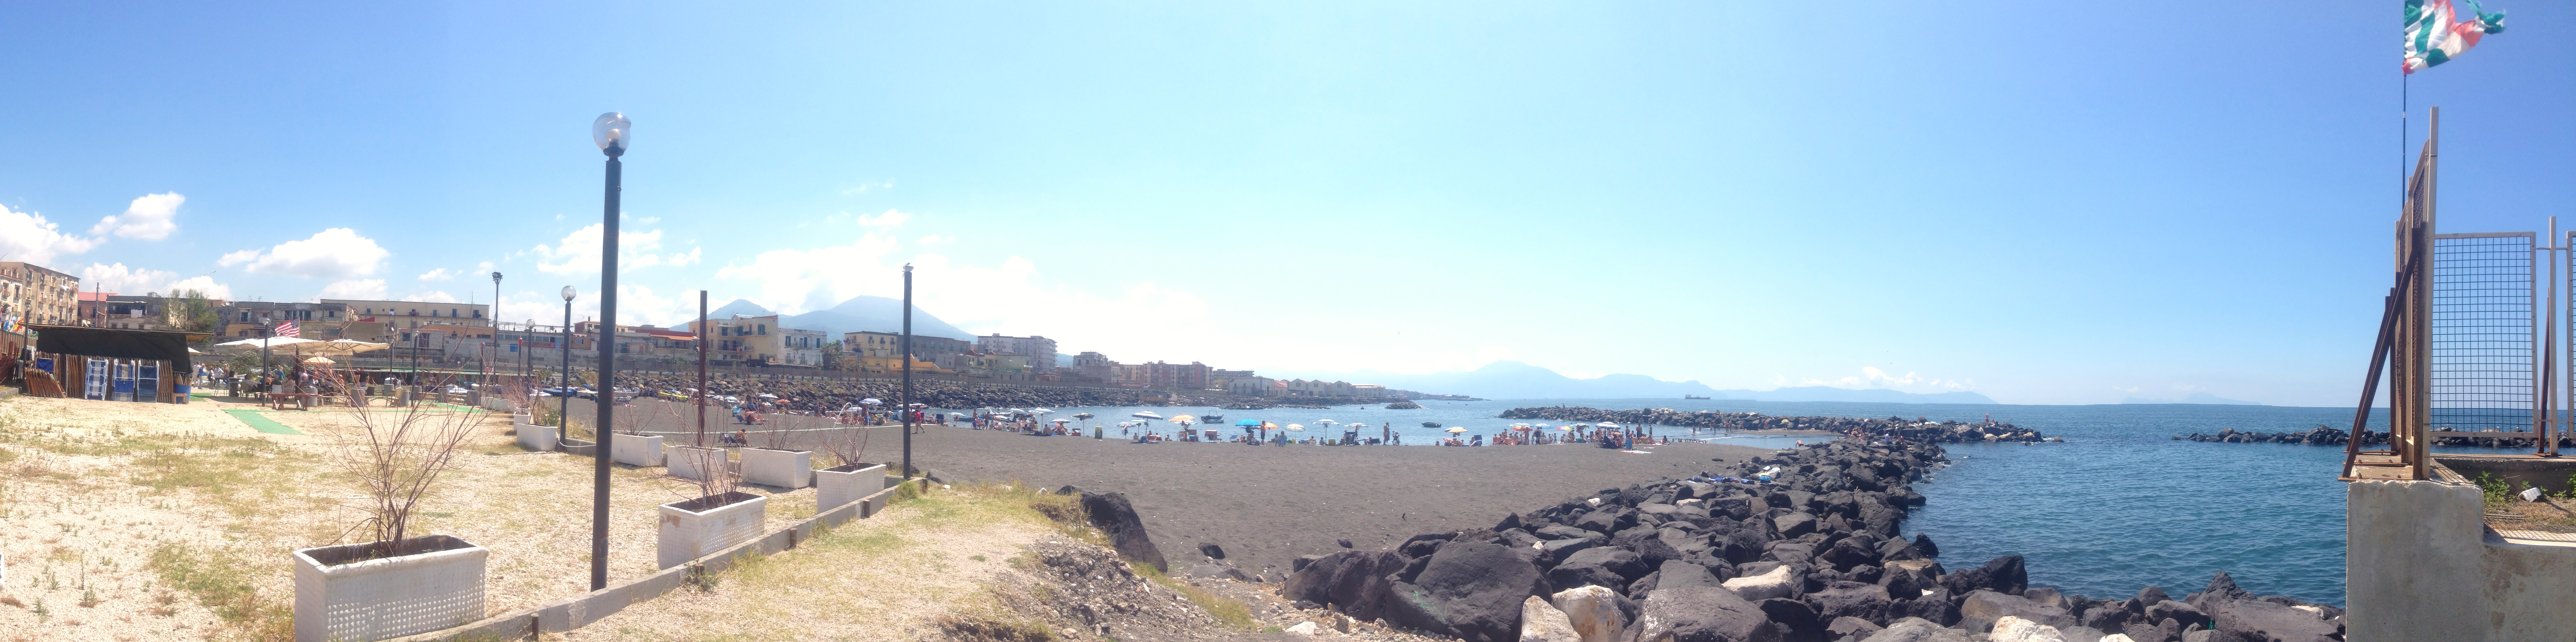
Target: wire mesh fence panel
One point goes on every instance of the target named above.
(2484, 370)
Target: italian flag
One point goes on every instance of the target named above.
(2435, 33)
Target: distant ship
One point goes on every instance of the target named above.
(1693, 397)
(1430, 424)
(1209, 419)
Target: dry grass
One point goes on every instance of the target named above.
(916, 568)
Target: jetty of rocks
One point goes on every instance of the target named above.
(1917, 429)
(2329, 436)
(1813, 555)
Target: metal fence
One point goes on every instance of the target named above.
(2484, 372)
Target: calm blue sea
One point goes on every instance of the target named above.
(2120, 507)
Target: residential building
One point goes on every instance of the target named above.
(940, 350)
(800, 347)
(880, 345)
(414, 314)
(241, 319)
(1243, 382)
(1160, 375)
(1095, 366)
(1039, 350)
(42, 295)
(112, 310)
(1368, 391)
(1320, 388)
(748, 339)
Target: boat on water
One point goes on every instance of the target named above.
(1430, 424)
(1210, 419)
(1693, 397)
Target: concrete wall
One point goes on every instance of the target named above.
(2421, 565)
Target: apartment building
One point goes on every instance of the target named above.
(312, 320)
(1039, 350)
(41, 295)
(415, 314)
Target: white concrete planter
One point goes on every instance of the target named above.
(635, 450)
(846, 483)
(535, 437)
(781, 468)
(522, 418)
(700, 527)
(692, 462)
(340, 599)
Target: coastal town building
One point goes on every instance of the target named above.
(879, 345)
(1094, 366)
(248, 319)
(41, 295)
(761, 340)
(414, 314)
(940, 350)
(1322, 388)
(1039, 350)
(131, 312)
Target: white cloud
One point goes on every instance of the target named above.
(27, 236)
(118, 278)
(336, 253)
(890, 218)
(204, 284)
(578, 252)
(147, 218)
(354, 289)
(440, 274)
(935, 239)
(123, 280)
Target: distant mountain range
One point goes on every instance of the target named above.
(1517, 380)
(2196, 398)
(865, 313)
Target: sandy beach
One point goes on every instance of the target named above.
(1266, 505)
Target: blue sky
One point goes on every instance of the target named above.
(2042, 202)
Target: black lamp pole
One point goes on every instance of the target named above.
(493, 346)
(563, 418)
(610, 132)
(907, 371)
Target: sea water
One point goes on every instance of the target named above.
(2120, 506)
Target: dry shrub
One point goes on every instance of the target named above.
(396, 455)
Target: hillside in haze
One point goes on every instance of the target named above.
(865, 313)
(1516, 380)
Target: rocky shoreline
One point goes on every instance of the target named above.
(2329, 436)
(1919, 429)
(1814, 554)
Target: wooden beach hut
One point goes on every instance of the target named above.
(115, 364)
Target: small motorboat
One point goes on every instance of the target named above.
(1210, 419)
(1430, 424)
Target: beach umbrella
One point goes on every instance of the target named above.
(768, 396)
(1296, 426)
(1457, 430)
(1082, 415)
(269, 342)
(1606, 426)
(1184, 418)
(342, 346)
(869, 401)
(1063, 421)
(1325, 422)
(1142, 414)
(317, 359)
(1564, 427)
(1047, 410)
(1248, 422)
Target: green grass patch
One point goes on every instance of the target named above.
(220, 580)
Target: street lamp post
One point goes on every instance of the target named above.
(563, 418)
(493, 346)
(610, 132)
(907, 371)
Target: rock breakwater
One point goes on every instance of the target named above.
(1813, 554)
(1918, 429)
(2329, 436)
